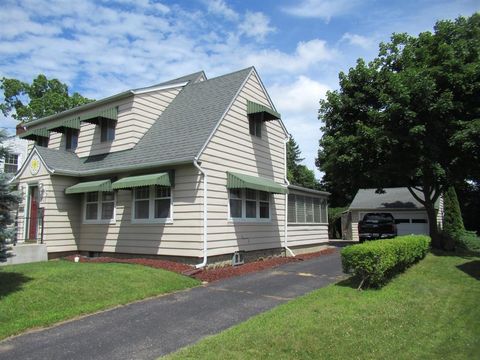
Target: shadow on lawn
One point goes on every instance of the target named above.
(11, 282)
(471, 268)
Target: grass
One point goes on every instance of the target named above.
(41, 294)
(430, 312)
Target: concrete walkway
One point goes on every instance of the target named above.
(155, 327)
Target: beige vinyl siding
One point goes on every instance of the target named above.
(232, 148)
(182, 237)
(136, 115)
(62, 225)
(440, 212)
(307, 234)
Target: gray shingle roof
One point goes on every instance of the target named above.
(393, 198)
(177, 136)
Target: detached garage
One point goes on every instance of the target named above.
(409, 214)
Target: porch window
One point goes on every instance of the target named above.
(307, 209)
(99, 207)
(249, 204)
(152, 204)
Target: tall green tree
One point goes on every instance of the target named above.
(297, 173)
(453, 222)
(411, 116)
(43, 97)
(8, 200)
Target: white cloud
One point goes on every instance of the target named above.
(298, 102)
(256, 25)
(299, 96)
(323, 9)
(306, 54)
(358, 40)
(219, 7)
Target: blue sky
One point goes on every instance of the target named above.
(100, 48)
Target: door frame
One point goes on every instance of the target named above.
(26, 225)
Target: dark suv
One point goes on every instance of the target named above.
(377, 226)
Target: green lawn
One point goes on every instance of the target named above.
(40, 294)
(432, 311)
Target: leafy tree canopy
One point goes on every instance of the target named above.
(410, 117)
(297, 173)
(43, 97)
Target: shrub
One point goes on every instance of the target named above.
(468, 240)
(374, 262)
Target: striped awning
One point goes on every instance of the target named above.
(268, 114)
(60, 126)
(90, 186)
(162, 179)
(95, 116)
(33, 134)
(242, 181)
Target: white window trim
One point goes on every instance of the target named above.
(151, 209)
(244, 219)
(99, 219)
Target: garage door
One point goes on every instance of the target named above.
(411, 223)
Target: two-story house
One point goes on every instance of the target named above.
(192, 168)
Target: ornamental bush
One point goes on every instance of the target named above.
(374, 262)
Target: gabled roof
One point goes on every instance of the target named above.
(181, 81)
(176, 137)
(393, 198)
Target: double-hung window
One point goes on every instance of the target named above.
(255, 124)
(11, 164)
(249, 205)
(99, 207)
(152, 204)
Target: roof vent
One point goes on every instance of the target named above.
(238, 258)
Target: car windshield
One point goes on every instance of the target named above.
(377, 218)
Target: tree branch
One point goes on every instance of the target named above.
(415, 196)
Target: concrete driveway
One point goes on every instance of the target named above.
(155, 327)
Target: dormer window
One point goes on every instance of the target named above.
(71, 139)
(42, 141)
(107, 130)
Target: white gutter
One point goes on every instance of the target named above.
(285, 235)
(205, 215)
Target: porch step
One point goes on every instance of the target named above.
(26, 253)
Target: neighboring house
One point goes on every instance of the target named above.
(17, 154)
(410, 216)
(186, 168)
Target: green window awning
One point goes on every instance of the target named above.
(89, 186)
(33, 134)
(242, 181)
(268, 114)
(60, 126)
(162, 179)
(95, 116)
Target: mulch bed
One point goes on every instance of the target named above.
(208, 275)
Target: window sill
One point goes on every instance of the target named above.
(151, 221)
(306, 223)
(243, 221)
(99, 222)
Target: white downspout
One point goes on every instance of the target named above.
(205, 214)
(285, 235)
